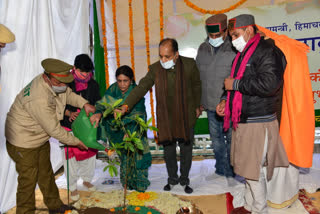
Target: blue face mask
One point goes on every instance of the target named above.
(167, 65)
(216, 42)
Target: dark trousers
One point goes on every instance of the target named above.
(33, 166)
(170, 157)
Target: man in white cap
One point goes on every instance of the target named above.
(33, 118)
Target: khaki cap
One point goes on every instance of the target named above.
(58, 69)
(6, 36)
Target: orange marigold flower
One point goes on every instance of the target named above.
(112, 210)
(201, 10)
(137, 208)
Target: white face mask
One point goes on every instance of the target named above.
(239, 43)
(59, 89)
(216, 42)
(167, 65)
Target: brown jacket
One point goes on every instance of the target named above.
(35, 115)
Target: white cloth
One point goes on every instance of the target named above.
(79, 169)
(52, 28)
(281, 189)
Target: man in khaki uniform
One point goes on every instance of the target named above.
(33, 118)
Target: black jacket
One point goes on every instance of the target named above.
(262, 81)
(91, 94)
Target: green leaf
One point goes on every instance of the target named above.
(131, 147)
(136, 140)
(105, 168)
(106, 105)
(115, 170)
(107, 112)
(133, 134)
(111, 171)
(139, 146)
(149, 121)
(153, 128)
(116, 103)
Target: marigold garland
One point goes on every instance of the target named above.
(161, 19)
(146, 30)
(201, 10)
(131, 36)
(104, 32)
(115, 30)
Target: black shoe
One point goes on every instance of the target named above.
(62, 209)
(167, 187)
(188, 189)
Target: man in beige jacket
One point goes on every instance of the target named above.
(33, 118)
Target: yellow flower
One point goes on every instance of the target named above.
(139, 199)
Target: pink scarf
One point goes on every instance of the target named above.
(237, 100)
(80, 80)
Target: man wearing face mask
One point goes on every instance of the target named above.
(178, 93)
(251, 101)
(214, 60)
(33, 118)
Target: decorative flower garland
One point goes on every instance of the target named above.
(146, 30)
(104, 32)
(115, 29)
(201, 10)
(131, 35)
(161, 19)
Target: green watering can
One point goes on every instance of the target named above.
(85, 131)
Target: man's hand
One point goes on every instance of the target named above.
(198, 112)
(228, 83)
(73, 116)
(122, 110)
(89, 108)
(202, 108)
(81, 146)
(94, 119)
(220, 108)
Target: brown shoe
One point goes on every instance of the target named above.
(240, 210)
